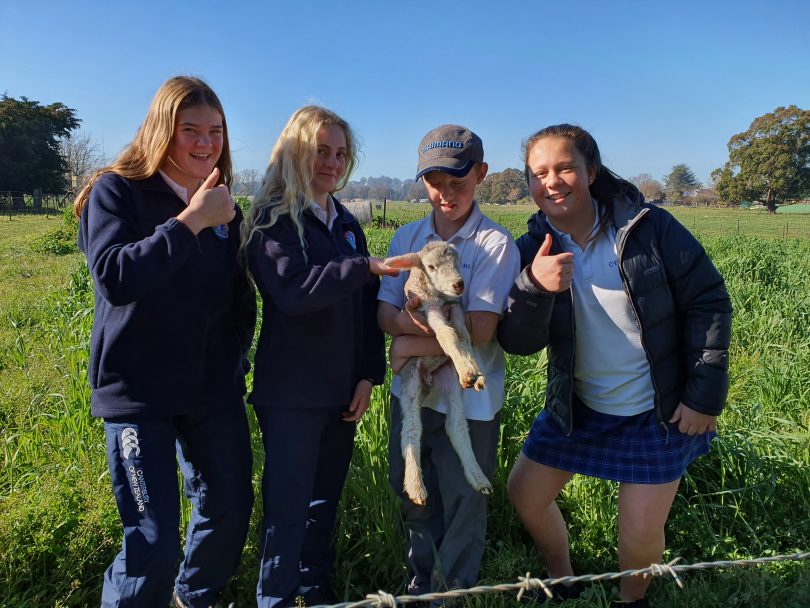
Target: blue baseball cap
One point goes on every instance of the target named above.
(450, 148)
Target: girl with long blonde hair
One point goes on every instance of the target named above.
(174, 318)
(319, 353)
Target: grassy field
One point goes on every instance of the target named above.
(749, 497)
(700, 220)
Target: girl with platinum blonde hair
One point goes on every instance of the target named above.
(287, 186)
(319, 354)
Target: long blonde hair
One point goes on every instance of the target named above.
(286, 186)
(146, 154)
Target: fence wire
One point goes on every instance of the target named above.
(382, 599)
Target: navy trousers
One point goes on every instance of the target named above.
(213, 450)
(307, 456)
(446, 536)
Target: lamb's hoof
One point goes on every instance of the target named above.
(477, 480)
(480, 383)
(418, 496)
(471, 380)
(482, 486)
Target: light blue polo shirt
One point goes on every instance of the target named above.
(611, 370)
(490, 262)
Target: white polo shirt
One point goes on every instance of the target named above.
(490, 262)
(611, 370)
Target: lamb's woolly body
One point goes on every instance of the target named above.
(435, 278)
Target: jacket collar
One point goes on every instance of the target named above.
(624, 212)
(155, 182)
(344, 216)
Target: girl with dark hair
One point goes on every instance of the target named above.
(174, 318)
(637, 323)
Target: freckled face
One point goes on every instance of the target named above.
(559, 180)
(196, 145)
(329, 164)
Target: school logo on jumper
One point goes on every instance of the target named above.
(221, 231)
(129, 442)
(349, 236)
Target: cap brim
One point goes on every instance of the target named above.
(453, 166)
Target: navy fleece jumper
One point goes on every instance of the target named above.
(319, 333)
(174, 313)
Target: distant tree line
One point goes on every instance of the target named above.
(507, 187)
(770, 163)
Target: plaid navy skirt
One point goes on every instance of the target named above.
(631, 449)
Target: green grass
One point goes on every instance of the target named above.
(749, 497)
(700, 220)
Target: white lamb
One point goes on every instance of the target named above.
(435, 278)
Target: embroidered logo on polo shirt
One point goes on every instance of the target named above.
(221, 231)
(350, 239)
(129, 442)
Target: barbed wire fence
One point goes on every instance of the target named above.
(527, 583)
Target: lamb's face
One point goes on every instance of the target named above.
(442, 267)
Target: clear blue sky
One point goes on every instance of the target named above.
(657, 83)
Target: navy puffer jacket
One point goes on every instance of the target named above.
(679, 298)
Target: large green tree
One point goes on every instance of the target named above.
(30, 137)
(504, 188)
(770, 162)
(680, 180)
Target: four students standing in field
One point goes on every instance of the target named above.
(635, 317)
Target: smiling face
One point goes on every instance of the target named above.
(559, 182)
(452, 197)
(329, 163)
(195, 147)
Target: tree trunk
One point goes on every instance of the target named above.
(770, 203)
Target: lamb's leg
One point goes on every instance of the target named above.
(455, 342)
(412, 396)
(459, 433)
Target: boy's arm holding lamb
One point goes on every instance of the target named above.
(412, 336)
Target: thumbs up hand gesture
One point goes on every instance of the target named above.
(210, 206)
(551, 273)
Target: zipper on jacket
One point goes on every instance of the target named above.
(573, 347)
(573, 357)
(621, 238)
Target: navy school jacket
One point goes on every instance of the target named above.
(319, 334)
(678, 296)
(174, 313)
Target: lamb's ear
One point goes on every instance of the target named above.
(403, 262)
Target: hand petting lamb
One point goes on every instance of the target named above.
(435, 278)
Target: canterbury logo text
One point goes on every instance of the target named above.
(129, 442)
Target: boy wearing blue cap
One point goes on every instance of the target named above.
(446, 536)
